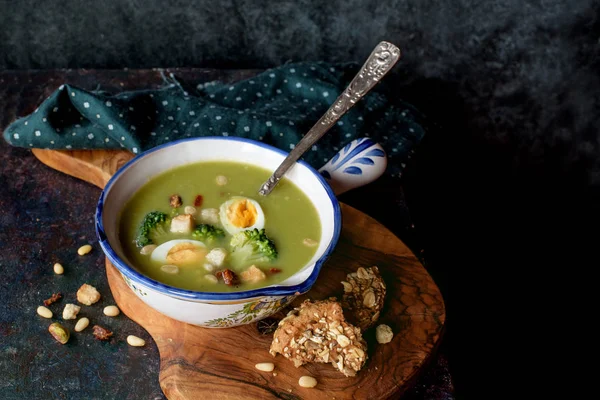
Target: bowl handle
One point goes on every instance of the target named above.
(360, 162)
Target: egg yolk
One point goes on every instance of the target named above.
(241, 214)
(185, 253)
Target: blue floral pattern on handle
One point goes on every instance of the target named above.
(361, 161)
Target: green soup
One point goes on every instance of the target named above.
(256, 239)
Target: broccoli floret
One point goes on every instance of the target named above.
(252, 246)
(155, 223)
(207, 233)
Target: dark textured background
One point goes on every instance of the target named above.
(504, 195)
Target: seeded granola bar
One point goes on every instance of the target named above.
(318, 332)
(364, 293)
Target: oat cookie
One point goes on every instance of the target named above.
(364, 293)
(318, 332)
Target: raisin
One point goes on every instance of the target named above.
(101, 333)
(275, 270)
(53, 299)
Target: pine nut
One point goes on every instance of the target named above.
(307, 382)
(211, 278)
(111, 311)
(135, 341)
(44, 312)
(209, 267)
(170, 269)
(81, 324)
(310, 242)
(190, 210)
(266, 367)
(58, 269)
(147, 249)
(222, 180)
(83, 250)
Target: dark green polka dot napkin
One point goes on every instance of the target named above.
(276, 107)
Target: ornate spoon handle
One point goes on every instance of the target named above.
(379, 63)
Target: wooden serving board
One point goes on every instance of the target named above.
(200, 363)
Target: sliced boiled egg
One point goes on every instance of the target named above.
(240, 214)
(180, 252)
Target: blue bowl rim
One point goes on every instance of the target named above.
(274, 290)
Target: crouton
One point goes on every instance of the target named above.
(182, 223)
(216, 257)
(253, 275)
(210, 216)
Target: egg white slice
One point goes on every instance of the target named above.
(161, 253)
(230, 226)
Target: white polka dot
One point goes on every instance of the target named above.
(108, 104)
(130, 108)
(325, 159)
(292, 70)
(230, 87)
(183, 123)
(280, 133)
(312, 89)
(285, 81)
(178, 108)
(68, 146)
(175, 131)
(325, 94)
(212, 96)
(269, 123)
(411, 130)
(91, 136)
(61, 87)
(348, 135)
(212, 106)
(16, 135)
(152, 133)
(86, 104)
(272, 75)
(74, 134)
(291, 123)
(238, 98)
(164, 103)
(196, 124)
(107, 140)
(55, 109)
(167, 138)
(292, 145)
(26, 122)
(252, 82)
(312, 68)
(258, 94)
(121, 115)
(244, 90)
(340, 123)
(218, 117)
(30, 145)
(394, 149)
(44, 119)
(192, 113)
(170, 118)
(246, 129)
(135, 150)
(52, 142)
(122, 137)
(298, 85)
(73, 94)
(38, 133)
(225, 134)
(314, 148)
(360, 118)
(260, 138)
(97, 115)
(332, 69)
(132, 128)
(110, 127)
(240, 112)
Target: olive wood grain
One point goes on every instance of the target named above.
(198, 363)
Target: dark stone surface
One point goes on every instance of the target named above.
(47, 215)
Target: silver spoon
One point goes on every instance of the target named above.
(380, 62)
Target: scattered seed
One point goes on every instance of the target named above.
(384, 334)
(307, 382)
(170, 269)
(190, 210)
(58, 269)
(222, 180)
(266, 367)
(81, 324)
(83, 250)
(59, 332)
(310, 242)
(111, 311)
(135, 341)
(211, 278)
(44, 312)
(146, 250)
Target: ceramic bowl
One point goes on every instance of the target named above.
(360, 162)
